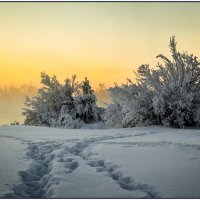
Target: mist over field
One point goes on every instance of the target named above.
(12, 101)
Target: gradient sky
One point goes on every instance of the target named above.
(103, 41)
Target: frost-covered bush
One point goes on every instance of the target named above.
(130, 107)
(167, 95)
(69, 105)
(44, 109)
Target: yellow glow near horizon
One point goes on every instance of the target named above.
(103, 41)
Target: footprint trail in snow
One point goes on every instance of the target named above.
(38, 180)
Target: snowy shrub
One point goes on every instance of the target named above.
(44, 109)
(127, 111)
(100, 112)
(69, 105)
(168, 94)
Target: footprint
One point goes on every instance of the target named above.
(125, 182)
(70, 164)
(34, 180)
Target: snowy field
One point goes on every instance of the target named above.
(148, 162)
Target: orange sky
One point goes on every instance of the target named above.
(103, 41)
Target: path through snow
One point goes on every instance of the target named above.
(63, 165)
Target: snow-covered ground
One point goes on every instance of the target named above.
(146, 162)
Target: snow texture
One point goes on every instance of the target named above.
(145, 162)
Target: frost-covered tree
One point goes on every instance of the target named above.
(52, 101)
(168, 94)
(86, 107)
(176, 85)
(69, 105)
(69, 93)
(130, 106)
